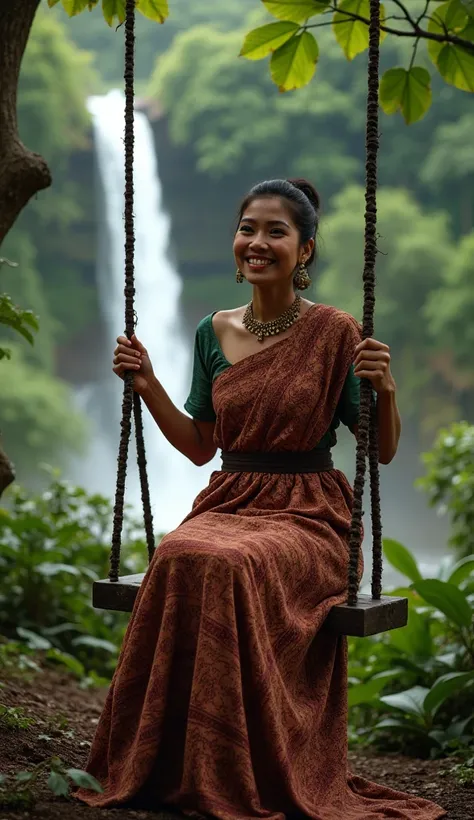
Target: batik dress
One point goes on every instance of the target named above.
(230, 696)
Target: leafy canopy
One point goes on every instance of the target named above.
(114, 10)
(447, 28)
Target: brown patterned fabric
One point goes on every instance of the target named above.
(229, 699)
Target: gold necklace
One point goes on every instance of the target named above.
(283, 322)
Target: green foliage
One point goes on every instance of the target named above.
(114, 10)
(17, 789)
(236, 121)
(14, 718)
(454, 63)
(410, 689)
(21, 281)
(449, 311)
(37, 418)
(449, 482)
(53, 119)
(408, 91)
(416, 250)
(22, 321)
(464, 772)
(54, 545)
(448, 30)
(351, 33)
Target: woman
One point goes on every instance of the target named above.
(230, 699)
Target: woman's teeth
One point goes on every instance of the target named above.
(260, 262)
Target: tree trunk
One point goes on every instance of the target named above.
(22, 172)
(7, 475)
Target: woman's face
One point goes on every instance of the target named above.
(267, 246)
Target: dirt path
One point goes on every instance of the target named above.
(64, 719)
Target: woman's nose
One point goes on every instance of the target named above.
(259, 240)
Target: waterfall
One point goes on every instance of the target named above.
(174, 481)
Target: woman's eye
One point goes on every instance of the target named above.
(245, 228)
(277, 232)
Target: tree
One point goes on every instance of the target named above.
(446, 28)
(449, 166)
(237, 122)
(24, 172)
(449, 313)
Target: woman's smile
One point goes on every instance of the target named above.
(257, 263)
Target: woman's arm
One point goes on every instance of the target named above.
(193, 438)
(372, 362)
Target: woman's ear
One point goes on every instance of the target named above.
(308, 248)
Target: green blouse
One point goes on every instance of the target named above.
(209, 362)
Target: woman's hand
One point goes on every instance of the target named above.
(131, 355)
(372, 362)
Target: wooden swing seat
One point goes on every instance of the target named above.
(368, 617)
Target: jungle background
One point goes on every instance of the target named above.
(219, 125)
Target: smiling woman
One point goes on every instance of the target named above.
(230, 695)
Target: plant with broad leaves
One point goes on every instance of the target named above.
(411, 688)
(54, 545)
(447, 28)
(16, 790)
(114, 10)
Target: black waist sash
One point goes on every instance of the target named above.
(313, 461)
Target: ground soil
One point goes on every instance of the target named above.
(64, 719)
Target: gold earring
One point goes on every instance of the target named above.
(239, 277)
(302, 279)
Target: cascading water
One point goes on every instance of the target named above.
(174, 481)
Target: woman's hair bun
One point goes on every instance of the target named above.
(310, 191)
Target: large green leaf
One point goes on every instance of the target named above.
(84, 780)
(95, 643)
(112, 9)
(400, 724)
(262, 41)
(367, 691)
(52, 3)
(401, 559)
(295, 10)
(454, 63)
(294, 63)
(444, 687)
(462, 570)
(469, 6)
(352, 34)
(50, 568)
(411, 701)
(447, 598)
(73, 7)
(406, 91)
(157, 10)
(58, 784)
(33, 640)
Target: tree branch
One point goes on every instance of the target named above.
(22, 172)
(7, 475)
(416, 31)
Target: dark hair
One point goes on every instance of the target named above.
(303, 202)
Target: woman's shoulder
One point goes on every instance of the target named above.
(340, 318)
(221, 319)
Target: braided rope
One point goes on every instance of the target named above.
(367, 446)
(130, 400)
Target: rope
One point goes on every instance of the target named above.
(130, 400)
(367, 446)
